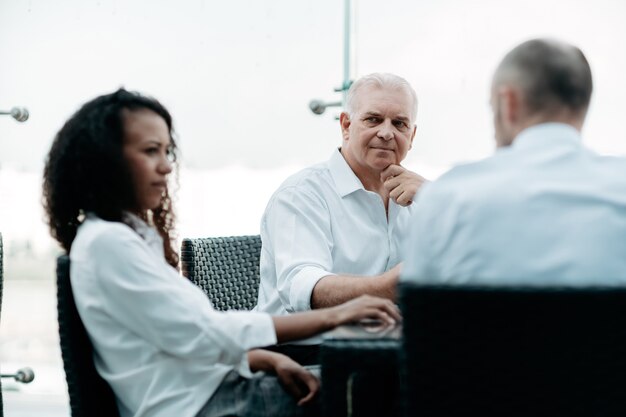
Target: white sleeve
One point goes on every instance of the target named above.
(150, 298)
(300, 237)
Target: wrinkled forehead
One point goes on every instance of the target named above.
(393, 101)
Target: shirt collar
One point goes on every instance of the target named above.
(143, 229)
(345, 179)
(546, 134)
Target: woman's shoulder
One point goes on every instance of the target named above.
(97, 234)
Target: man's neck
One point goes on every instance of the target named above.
(563, 116)
(372, 182)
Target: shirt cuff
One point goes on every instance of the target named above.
(244, 368)
(249, 330)
(302, 287)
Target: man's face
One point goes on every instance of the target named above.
(380, 132)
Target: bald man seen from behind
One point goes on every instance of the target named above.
(544, 209)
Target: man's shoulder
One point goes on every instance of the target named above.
(470, 173)
(311, 186)
(610, 163)
(309, 178)
(490, 179)
(467, 186)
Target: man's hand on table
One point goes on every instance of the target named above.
(401, 184)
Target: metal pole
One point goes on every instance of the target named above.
(346, 50)
(319, 106)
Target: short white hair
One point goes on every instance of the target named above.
(380, 80)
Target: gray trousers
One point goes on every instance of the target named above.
(260, 396)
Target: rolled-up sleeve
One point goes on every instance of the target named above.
(300, 241)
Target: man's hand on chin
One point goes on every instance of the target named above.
(401, 184)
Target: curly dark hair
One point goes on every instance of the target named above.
(86, 170)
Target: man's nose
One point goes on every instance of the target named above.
(385, 131)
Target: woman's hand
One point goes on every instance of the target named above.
(299, 382)
(366, 307)
(296, 380)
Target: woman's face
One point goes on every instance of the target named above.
(147, 151)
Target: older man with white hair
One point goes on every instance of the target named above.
(334, 231)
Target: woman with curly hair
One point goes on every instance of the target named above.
(157, 340)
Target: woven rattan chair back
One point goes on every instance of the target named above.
(226, 268)
(90, 395)
(513, 352)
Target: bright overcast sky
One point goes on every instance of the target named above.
(238, 75)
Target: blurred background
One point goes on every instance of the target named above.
(238, 77)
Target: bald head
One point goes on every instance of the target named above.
(540, 81)
(552, 76)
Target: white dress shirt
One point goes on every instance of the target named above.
(544, 211)
(320, 222)
(157, 340)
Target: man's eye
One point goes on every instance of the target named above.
(372, 119)
(400, 124)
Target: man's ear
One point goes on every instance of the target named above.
(412, 136)
(344, 121)
(511, 104)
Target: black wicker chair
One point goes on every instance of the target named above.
(90, 395)
(226, 268)
(513, 352)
